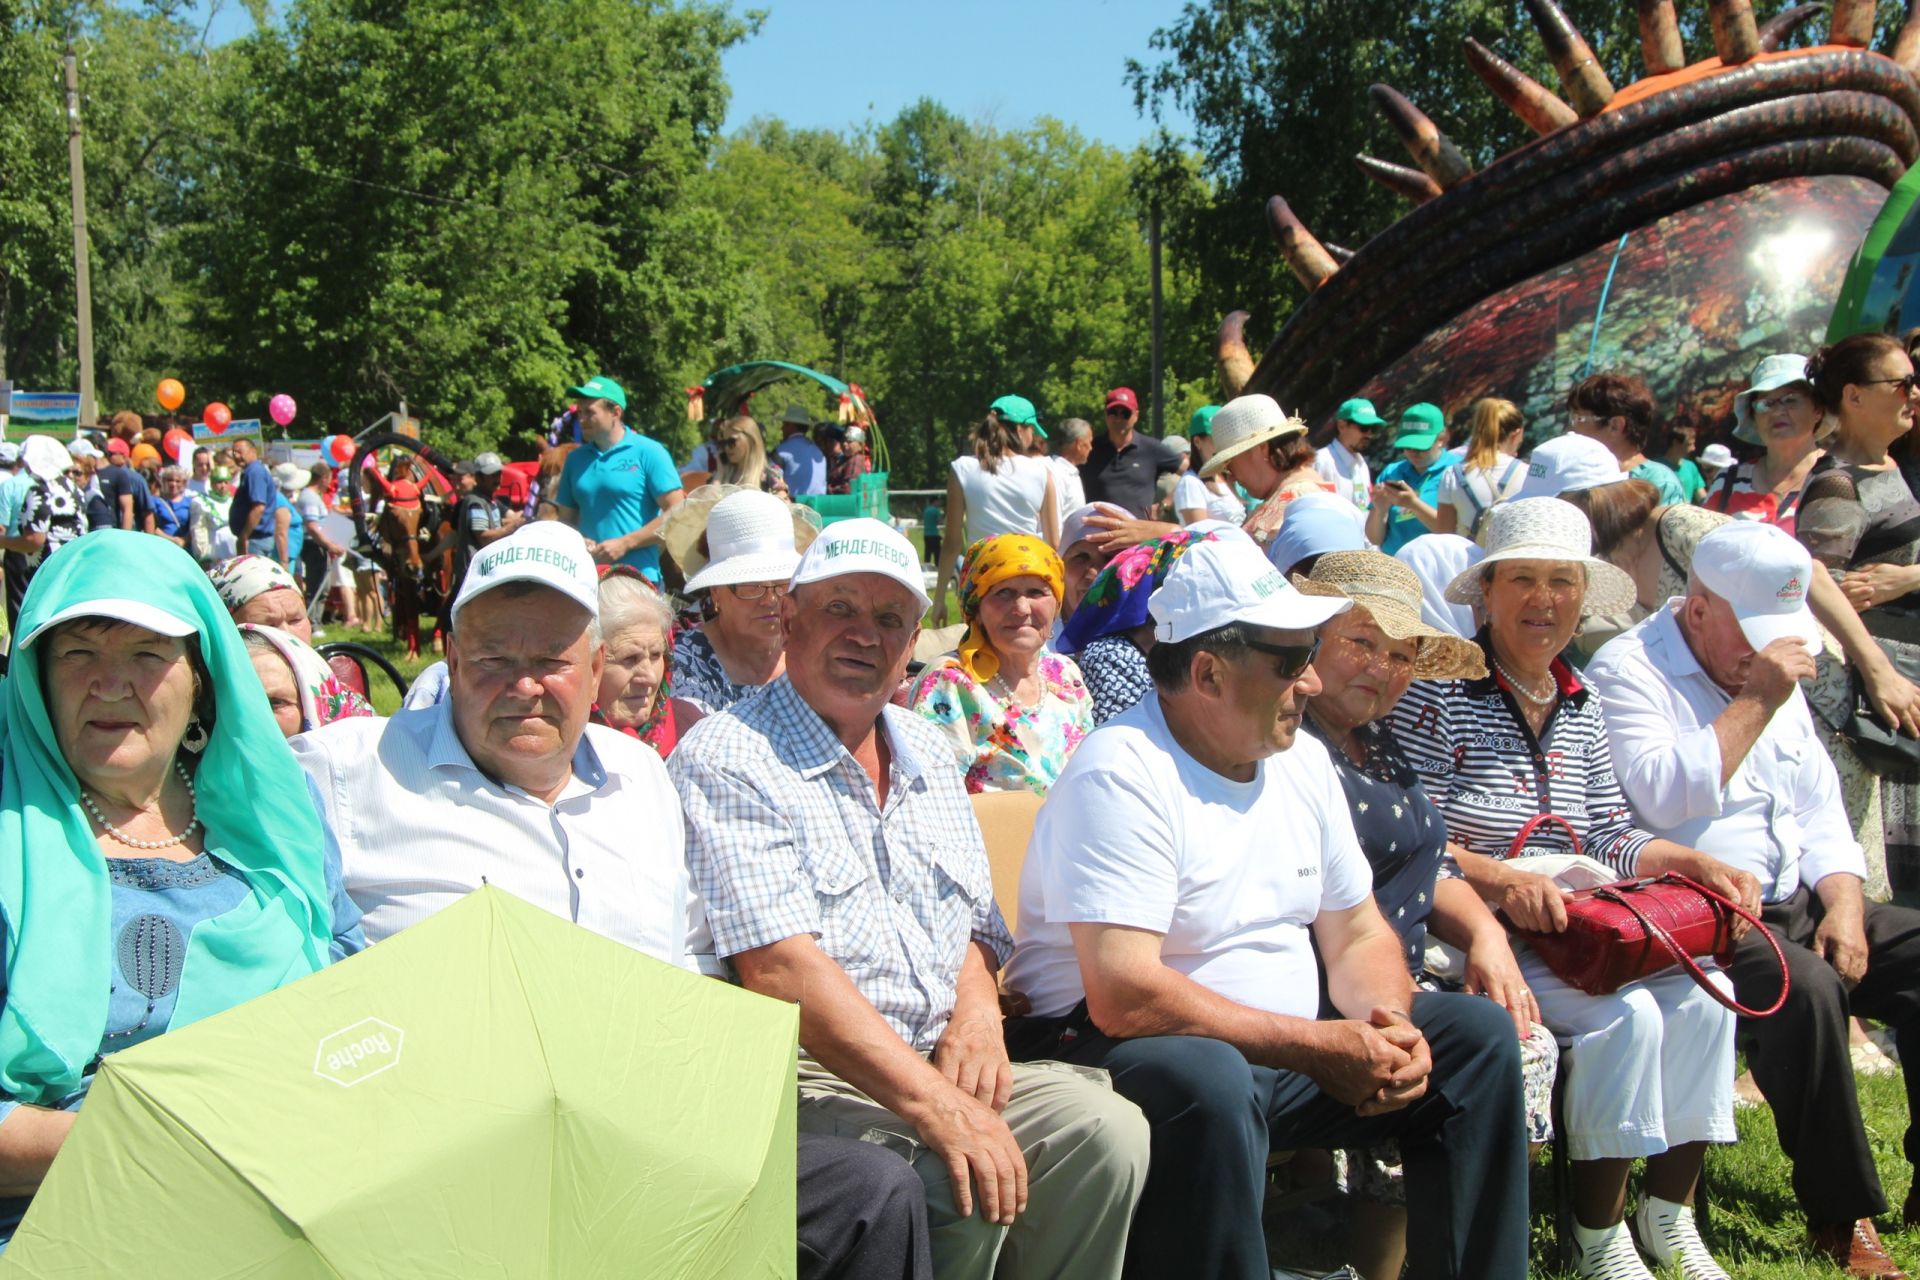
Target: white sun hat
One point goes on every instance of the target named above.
(750, 539)
(1762, 572)
(1243, 423)
(291, 477)
(1546, 529)
(1770, 374)
(1568, 463)
(1716, 455)
(1228, 580)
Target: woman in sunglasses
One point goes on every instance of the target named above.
(1648, 1069)
(1860, 519)
(1776, 412)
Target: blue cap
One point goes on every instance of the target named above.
(1317, 523)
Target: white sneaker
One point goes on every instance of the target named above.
(1671, 1239)
(1607, 1254)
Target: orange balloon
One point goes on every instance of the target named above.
(170, 394)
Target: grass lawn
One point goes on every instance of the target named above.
(385, 698)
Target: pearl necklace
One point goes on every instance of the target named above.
(1537, 699)
(133, 843)
(1006, 694)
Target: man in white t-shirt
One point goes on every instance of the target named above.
(1343, 461)
(1179, 875)
(1075, 443)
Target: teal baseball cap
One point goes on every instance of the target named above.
(1019, 411)
(1421, 426)
(1358, 410)
(601, 387)
(1201, 423)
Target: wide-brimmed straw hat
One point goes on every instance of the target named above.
(1546, 529)
(760, 539)
(1244, 423)
(1390, 593)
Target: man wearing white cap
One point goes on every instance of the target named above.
(842, 868)
(1181, 871)
(1715, 749)
(504, 782)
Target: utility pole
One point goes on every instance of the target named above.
(82, 280)
(1157, 389)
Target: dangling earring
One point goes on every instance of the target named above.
(196, 736)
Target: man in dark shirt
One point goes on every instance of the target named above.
(129, 501)
(477, 521)
(251, 517)
(1123, 465)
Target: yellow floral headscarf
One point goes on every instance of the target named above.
(988, 563)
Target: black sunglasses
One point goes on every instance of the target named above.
(1906, 384)
(1118, 411)
(1294, 658)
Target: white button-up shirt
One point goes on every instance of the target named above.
(421, 826)
(1779, 816)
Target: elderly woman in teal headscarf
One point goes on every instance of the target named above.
(161, 858)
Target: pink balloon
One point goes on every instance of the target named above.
(282, 408)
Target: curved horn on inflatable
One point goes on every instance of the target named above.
(1307, 256)
(1231, 354)
(1735, 36)
(1397, 178)
(1536, 105)
(1660, 46)
(1851, 24)
(1339, 253)
(1906, 46)
(1775, 30)
(1431, 149)
(1586, 85)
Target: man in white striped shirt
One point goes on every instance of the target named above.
(504, 782)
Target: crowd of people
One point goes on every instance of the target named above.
(1314, 754)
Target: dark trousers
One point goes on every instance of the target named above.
(1215, 1116)
(1800, 1056)
(861, 1211)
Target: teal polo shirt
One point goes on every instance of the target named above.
(617, 490)
(1403, 526)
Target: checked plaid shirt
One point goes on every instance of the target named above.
(785, 836)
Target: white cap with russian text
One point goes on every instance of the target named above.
(1762, 572)
(1229, 580)
(863, 545)
(545, 552)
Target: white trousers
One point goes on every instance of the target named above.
(1646, 1068)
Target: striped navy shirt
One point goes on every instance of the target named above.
(1481, 764)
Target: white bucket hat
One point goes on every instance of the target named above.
(1242, 424)
(46, 457)
(1770, 374)
(1716, 455)
(1546, 529)
(291, 477)
(750, 539)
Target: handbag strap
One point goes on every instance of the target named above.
(1538, 820)
(1679, 953)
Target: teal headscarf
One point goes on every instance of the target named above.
(55, 899)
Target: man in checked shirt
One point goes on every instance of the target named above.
(831, 837)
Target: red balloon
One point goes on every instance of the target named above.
(340, 450)
(173, 441)
(217, 417)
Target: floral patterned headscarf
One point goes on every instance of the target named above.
(1117, 600)
(988, 563)
(323, 698)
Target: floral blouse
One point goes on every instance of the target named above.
(699, 676)
(1002, 746)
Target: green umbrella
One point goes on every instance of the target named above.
(494, 1092)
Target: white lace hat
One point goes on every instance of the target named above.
(1546, 529)
(749, 539)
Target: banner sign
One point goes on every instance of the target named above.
(46, 408)
(239, 428)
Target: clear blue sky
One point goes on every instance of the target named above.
(834, 64)
(837, 63)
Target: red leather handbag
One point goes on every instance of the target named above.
(1618, 933)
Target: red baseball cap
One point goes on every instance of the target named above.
(117, 445)
(1125, 396)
